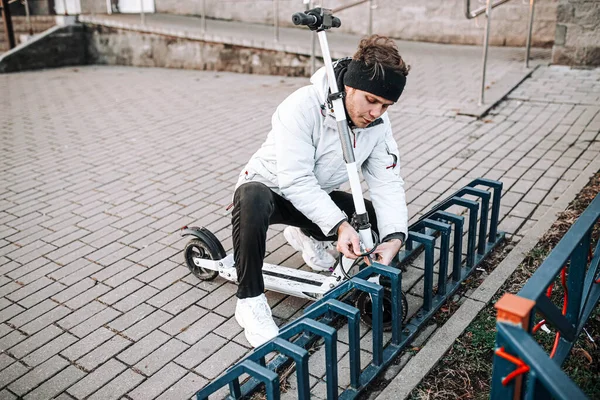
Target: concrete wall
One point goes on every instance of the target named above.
(577, 33)
(41, 7)
(93, 6)
(441, 21)
(59, 46)
(112, 46)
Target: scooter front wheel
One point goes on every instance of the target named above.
(196, 250)
(365, 306)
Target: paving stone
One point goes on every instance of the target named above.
(88, 296)
(183, 320)
(155, 272)
(10, 340)
(81, 315)
(5, 361)
(69, 269)
(97, 379)
(131, 317)
(71, 291)
(184, 301)
(185, 388)
(6, 395)
(50, 349)
(218, 296)
(41, 295)
(169, 293)
(160, 381)
(38, 375)
(124, 275)
(45, 319)
(87, 344)
(221, 360)
(103, 353)
(120, 385)
(200, 328)
(146, 325)
(56, 384)
(17, 316)
(170, 278)
(34, 342)
(98, 320)
(135, 298)
(29, 289)
(157, 359)
(11, 373)
(33, 270)
(121, 291)
(144, 347)
(105, 273)
(199, 352)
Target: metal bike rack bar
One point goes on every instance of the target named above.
(301, 334)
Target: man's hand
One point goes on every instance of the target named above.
(348, 242)
(386, 251)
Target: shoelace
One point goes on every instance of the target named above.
(262, 312)
(320, 247)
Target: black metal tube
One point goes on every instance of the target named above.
(8, 26)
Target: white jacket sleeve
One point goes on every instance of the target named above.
(386, 187)
(293, 125)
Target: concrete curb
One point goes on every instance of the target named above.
(427, 358)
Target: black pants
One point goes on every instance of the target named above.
(255, 208)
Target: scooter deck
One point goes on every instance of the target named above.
(296, 282)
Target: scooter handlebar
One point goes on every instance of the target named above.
(312, 21)
(300, 18)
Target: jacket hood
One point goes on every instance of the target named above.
(320, 82)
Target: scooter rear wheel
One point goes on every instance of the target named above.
(197, 249)
(365, 306)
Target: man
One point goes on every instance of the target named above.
(292, 179)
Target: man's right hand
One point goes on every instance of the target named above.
(348, 242)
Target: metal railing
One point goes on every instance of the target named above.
(438, 232)
(514, 343)
(488, 11)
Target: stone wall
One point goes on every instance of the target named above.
(59, 46)
(39, 23)
(424, 20)
(112, 46)
(577, 39)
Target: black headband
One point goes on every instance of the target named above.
(385, 83)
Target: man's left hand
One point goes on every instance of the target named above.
(386, 251)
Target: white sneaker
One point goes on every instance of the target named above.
(314, 253)
(254, 315)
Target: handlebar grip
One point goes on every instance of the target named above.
(336, 23)
(303, 19)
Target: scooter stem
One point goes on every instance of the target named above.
(344, 133)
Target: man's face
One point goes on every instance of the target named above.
(364, 107)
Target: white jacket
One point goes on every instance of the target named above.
(302, 161)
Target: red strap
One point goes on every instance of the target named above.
(521, 366)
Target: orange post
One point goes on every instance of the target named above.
(514, 310)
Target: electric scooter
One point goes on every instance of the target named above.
(204, 253)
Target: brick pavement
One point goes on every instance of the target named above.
(102, 165)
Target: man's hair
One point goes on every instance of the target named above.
(379, 52)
